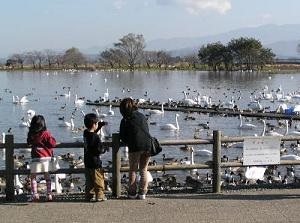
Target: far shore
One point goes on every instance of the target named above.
(268, 69)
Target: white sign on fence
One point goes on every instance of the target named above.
(261, 151)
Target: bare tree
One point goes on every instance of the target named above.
(192, 60)
(149, 58)
(40, 57)
(132, 47)
(112, 57)
(163, 58)
(19, 58)
(49, 57)
(30, 58)
(58, 59)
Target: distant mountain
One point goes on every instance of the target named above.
(285, 49)
(277, 37)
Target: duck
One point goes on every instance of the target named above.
(204, 125)
(171, 126)
(77, 163)
(167, 158)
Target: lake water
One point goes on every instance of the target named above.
(44, 90)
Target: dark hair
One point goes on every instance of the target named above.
(127, 106)
(37, 125)
(90, 119)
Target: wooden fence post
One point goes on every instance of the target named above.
(9, 167)
(217, 161)
(116, 161)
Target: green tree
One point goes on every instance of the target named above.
(245, 52)
(212, 54)
(73, 57)
(132, 47)
(266, 56)
(112, 57)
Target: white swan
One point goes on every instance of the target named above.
(292, 132)
(171, 126)
(110, 112)
(67, 124)
(67, 95)
(30, 113)
(106, 95)
(191, 161)
(290, 157)
(255, 173)
(267, 96)
(23, 100)
(187, 101)
(16, 100)
(24, 123)
(100, 115)
(263, 132)
(245, 125)
(3, 137)
(203, 152)
(18, 185)
(229, 104)
(273, 133)
(156, 111)
(255, 105)
(78, 101)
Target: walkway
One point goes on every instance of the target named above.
(233, 206)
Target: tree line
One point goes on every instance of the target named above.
(129, 53)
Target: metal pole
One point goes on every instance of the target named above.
(217, 161)
(116, 160)
(9, 167)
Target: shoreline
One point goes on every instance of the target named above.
(270, 69)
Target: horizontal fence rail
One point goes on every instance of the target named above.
(215, 164)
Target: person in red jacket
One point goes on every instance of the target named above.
(42, 143)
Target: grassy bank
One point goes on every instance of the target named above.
(269, 69)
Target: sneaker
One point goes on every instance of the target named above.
(102, 199)
(34, 198)
(94, 199)
(131, 196)
(49, 198)
(142, 196)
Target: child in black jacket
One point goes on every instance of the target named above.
(94, 174)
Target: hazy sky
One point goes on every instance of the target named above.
(59, 24)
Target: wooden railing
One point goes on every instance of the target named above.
(116, 169)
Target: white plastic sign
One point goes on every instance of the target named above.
(261, 151)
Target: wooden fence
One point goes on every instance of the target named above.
(116, 169)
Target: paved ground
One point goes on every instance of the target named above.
(234, 206)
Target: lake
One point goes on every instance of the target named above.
(44, 89)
